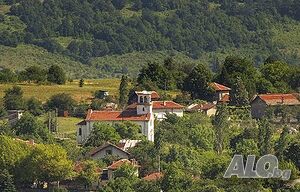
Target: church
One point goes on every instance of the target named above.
(143, 113)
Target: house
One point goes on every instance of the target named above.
(108, 173)
(126, 144)
(153, 176)
(101, 94)
(108, 149)
(133, 97)
(261, 102)
(143, 113)
(208, 109)
(13, 116)
(220, 91)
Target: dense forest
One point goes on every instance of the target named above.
(204, 29)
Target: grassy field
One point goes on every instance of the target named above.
(44, 92)
(67, 125)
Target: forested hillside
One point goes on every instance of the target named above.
(96, 32)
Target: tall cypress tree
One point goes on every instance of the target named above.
(123, 91)
(265, 136)
(282, 143)
(239, 95)
(220, 123)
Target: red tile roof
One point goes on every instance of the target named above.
(159, 105)
(117, 164)
(166, 105)
(275, 99)
(204, 107)
(105, 145)
(128, 115)
(219, 87)
(154, 95)
(153, 176)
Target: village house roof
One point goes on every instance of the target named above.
(154, 94)
(104, 146)
(219, 87)
(203, 107)
(154, 176)
(125, 144)
(81, 123)
(160, 105)
(276, 99)
(117, 164)
(127, 115)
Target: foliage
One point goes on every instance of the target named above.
(13, 98)
(35, 106)
(220, 124)
(89, 173)
(265, 136)
(56, 75)
(81, 82)
(6, 182)
(101, 133)
(128, 130)
(33, 74)
(29, 126)
(239, 95)
(61, 101)
(49, 163)
(197, 83)
(123, 91)
(7, 75)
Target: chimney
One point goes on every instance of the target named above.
(31, 142)
(164, 103)
(282, 99)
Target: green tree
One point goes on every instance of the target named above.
(6, 182)
(239, 95)
(123, 91)
(128, 130)
(278, 73)
(13, 98)
(8, 76)
(126, 171)
(247, 147)
(220, 123)
(101, 133)
(234, 67)
(34, 74)
(12, 152)
(89, 173)
(61, 101)
(265, 136)
(34, 106)
(29, 126)
(49, 163)
(56, 75)
(81, 82)
(282, 143)
(197, 83)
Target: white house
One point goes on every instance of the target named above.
(143, 113)
(102, 151)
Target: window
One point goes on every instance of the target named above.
(143, 108)
(79, 131)
(145, 99)
(141, 99)
(108, 152)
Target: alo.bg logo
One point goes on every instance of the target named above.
(266, 167)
